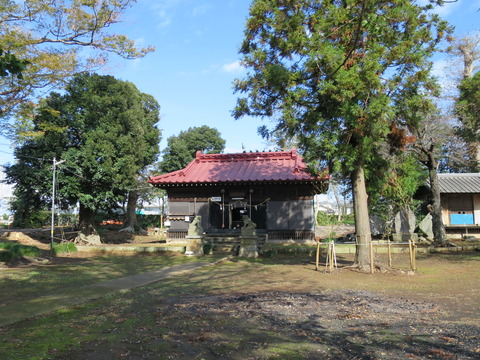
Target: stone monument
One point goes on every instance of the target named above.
(248, 238)
(195, 237)
(404, 225)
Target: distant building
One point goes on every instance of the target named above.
(460, 198)
(327, 203)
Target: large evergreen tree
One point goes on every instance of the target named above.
(105, 131)
(467, 108)
(181, 148)
(331, 73)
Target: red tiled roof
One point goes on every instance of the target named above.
(240, 167)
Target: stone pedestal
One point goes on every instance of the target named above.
(194, 246)
(248, 247)
(248, 238)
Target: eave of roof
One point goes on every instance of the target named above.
(259, 167)
(459, 183)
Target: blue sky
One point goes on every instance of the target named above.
(196, 60)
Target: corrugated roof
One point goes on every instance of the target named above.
(239, 167)
(459, 183)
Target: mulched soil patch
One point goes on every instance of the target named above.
(337, 324)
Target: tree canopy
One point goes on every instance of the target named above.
(52, 37)
(105, 131)
(181, 148)
(10, 65)
(331, 74)
(467, 108)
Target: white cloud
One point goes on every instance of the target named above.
(234, 67)
(163, 10)
(164, 18)
(200, 10)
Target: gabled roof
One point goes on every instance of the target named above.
(283, 166)
(459, 183)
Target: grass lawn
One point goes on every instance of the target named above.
(275, 308)
(65, 274)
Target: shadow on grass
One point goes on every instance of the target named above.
(187, 317)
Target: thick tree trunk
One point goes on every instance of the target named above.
(438, 228)
(131, 223)
(362, 220)
(87, 220)
(88, 235)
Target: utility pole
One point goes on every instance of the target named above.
(55, 163)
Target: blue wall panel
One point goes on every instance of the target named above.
(461, 219)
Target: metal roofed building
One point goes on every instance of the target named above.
(460, 198)
(272, 188)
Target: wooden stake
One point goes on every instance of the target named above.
(414, 256)
(410, 249)
(317, 262)
(389, 247)
(371, 257)
(330, 263)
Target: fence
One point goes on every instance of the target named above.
(387, 248)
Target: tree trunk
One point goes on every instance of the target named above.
(474, 153)
(88, 235)
(362, 219)
(131, 223)
(439, 235)
(87, 220)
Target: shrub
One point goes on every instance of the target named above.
(5, 256)
(12, 250)
(64, 248)
(207, 247)
(326, 219)
(18, 250)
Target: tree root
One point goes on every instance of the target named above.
(131, 230)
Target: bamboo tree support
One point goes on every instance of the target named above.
(331, 257)
(317, 262)
(331, 260)
(372, 269)
(328, 257)
(334, 253)
(389, 249)
(410, 250)
(413, 254)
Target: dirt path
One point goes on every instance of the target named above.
(49, 303)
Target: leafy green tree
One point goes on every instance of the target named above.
(181, 149)
(10, 65)
(52, 36)
(105, 131)
(331, 72)
(467, 108)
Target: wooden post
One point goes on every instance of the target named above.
(328, 259)
(414, 256)
(389, 247)
(318, 256)
(410, 250)
(371, 257)
(332, 256)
